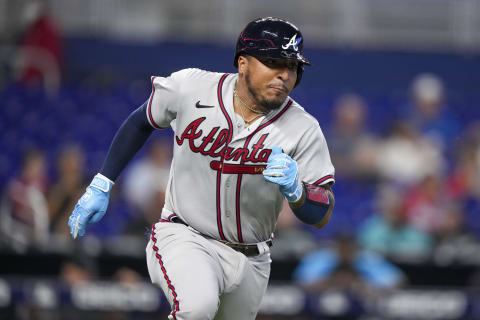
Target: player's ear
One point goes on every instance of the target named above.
(242, 64)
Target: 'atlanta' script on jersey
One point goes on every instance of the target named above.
(214, 144)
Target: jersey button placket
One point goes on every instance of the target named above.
(229, 197)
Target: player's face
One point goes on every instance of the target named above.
(270, 81)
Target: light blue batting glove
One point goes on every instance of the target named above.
(283, 170)
(92, 205)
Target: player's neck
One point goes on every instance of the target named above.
(243, 104)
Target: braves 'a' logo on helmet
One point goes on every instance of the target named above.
(293, 42)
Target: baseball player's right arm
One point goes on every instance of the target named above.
(93, 204)
(157, 113)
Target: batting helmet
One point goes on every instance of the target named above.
(272, 38)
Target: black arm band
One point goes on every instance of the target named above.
(131, 136)
(317, 203)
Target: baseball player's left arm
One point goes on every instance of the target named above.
(305, 175)
(315, 206)
(312, 204)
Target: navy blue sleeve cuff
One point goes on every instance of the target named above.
(131, 136)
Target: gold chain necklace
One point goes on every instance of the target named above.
(245, 104)
(248, 122)
(259, 113)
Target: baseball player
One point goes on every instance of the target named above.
(241, 146)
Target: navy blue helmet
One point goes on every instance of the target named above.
(272, 38)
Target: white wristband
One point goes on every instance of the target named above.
(102, 183)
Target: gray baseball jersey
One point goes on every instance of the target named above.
(216, 184)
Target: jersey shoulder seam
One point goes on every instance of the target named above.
(196, 73)
(297, 109)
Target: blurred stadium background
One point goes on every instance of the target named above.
(394, 85)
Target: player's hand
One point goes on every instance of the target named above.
(92, 205)
(283, 170)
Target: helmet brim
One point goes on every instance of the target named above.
(297, 57)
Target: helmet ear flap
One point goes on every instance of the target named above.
(299, 74)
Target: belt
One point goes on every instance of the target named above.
(249, 250)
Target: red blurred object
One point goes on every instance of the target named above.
(42, 49)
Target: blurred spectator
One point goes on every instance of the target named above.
(426, 203)
(40, 48)
(455, 243)
(345, 267)
(388, 231)
(464, 181)
(24, 211)
(406, 157)
(129, 280)
(352, 147)
(77, 271)
(127, 277)
(145, 185)
(69, 186)
(428, 111)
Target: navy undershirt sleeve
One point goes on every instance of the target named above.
(131, 136)
(315, 208)
(311, 213)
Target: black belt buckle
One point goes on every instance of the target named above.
(247, 249)
(250, 250)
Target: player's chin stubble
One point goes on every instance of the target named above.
(266, 105)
